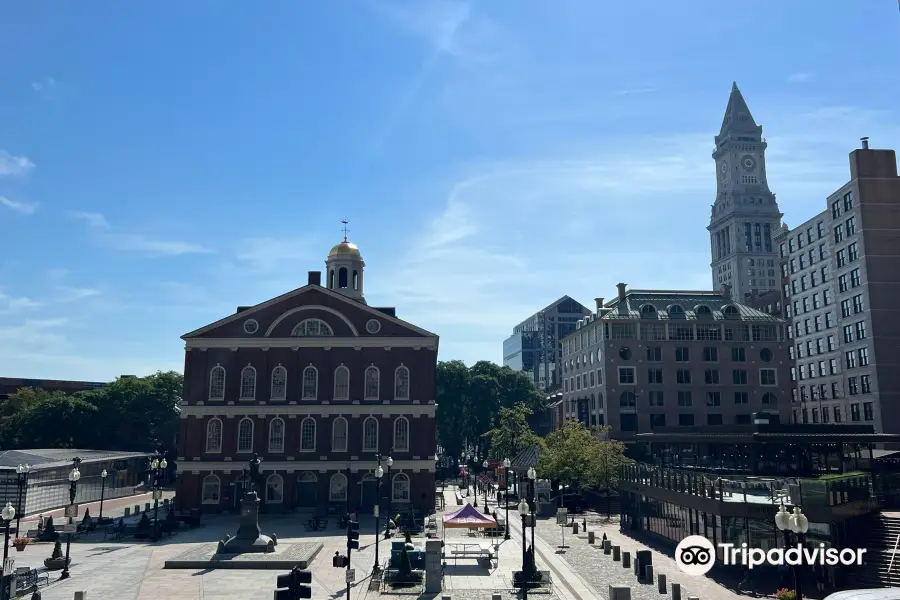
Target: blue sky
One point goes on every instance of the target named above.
(163, 162)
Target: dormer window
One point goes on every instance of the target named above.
(675, 311)
(701, 310)
(648, 311)
(730, 311)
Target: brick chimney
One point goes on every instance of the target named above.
(315, 278)
(726, 290)
(621, 287)
(599, 302)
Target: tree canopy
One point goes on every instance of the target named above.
(470, 399)
(512, 433)
(127, 414)
(576, 455)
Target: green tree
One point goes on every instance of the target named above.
(610, 458)
(60, 421)
(512, 433)
(571, 456)
(452, 383)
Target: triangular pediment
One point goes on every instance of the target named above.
(277, 318)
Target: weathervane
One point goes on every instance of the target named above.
(346, 231)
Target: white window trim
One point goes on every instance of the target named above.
(377, 434)
(774, 372)
(366, 395)
(346, 435)
(394, 479)
(303, 396)
(270, 478)
(397, 380)
(272, 395)
(305, 321)
(272, 423)
(251, 369)
(252, 433)
(633, 372)
(221, 433)
(335, 391)
(203, 489)
(224, 381)
(315, 433)
(331, 480)
(397, 447)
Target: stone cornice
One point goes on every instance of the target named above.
(416, 343)
(298, 466)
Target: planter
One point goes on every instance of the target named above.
(20, 547)
(55, 564)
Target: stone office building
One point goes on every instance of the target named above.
(653, 358)
(317, 383)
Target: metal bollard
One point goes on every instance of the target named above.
(137, 509)
(445, 597)
(127, 511)
(166, 502)
(607, 546)
(616, 553)
(147, 507)
(81, 596)
(626, 559)
(619, 592)
(591, 539)
(648, 573)
(676, 591)
(693, 598)
(496, 596)
(575, 529)
(661, 583)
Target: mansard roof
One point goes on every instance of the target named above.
(663, 305)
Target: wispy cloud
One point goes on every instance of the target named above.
(136, 242)
(437, 22)
(44, 84)
(14, 166)
(11, 304)
(25, 208)
(636, 91)
(800, 77)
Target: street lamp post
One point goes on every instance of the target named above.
(103, 475)
(379, 472)
(8, 513)
(475, 480)
(506, 465)
(387, 520)
(798, 524)
(158, 466)
(22, 480)
(531, 477)
(523, 510)
(74, 476)
(485, 464)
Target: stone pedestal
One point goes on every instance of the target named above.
(433, 571)
(248, 538)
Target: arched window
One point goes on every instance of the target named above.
(245, 435)
(702, 310)
(212, 488)
(279, 383)
(599, 401)
(401, 435)
(248, 383)
(214, 436)
(310, 383)
(648, 311)
(770, 398)
(373, 382)
(342, 383)
(370, 435)
(337, 488)
(675, 310)
(217, 383)
(308, 434)
(400, 488)
(627, 400)
(730, 311)
(312, 328)
(355, 279)
(401, 383)
(276, 435)
(342, 278)
(339, 435)
(593, 403)
(274, 489)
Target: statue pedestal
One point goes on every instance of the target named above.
(248, 538)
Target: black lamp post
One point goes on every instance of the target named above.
(387, 521)
(379, 473)
(485, 464)
(797, 523)
(158, 466)
(8, 513)
(523, 510)
(103, 475)
(474, 462)
(506, 465)
(22, 481)
(74, 476)
(531, 477)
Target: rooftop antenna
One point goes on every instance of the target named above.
(346, 231)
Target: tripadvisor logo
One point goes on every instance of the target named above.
(696, 555)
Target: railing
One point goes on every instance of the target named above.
(828, 490)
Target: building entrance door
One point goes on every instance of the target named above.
(369, 497)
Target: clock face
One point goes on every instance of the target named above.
(723, 170)
(748, 162)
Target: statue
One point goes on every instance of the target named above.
(249, 538)
(254, 472)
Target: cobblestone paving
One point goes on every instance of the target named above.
(601, 571)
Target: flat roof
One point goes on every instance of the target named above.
(761, 437)
(50, 458)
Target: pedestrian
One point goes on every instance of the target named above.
(40, 523)
(821, 578)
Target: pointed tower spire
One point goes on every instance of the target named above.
(737, 113)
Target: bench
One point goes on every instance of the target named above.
(316, 524)
(28, 578)
(459, 498)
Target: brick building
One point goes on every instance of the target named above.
(317, 383)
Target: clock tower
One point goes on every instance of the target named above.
(745, 214)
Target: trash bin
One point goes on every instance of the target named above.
(643, 558)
